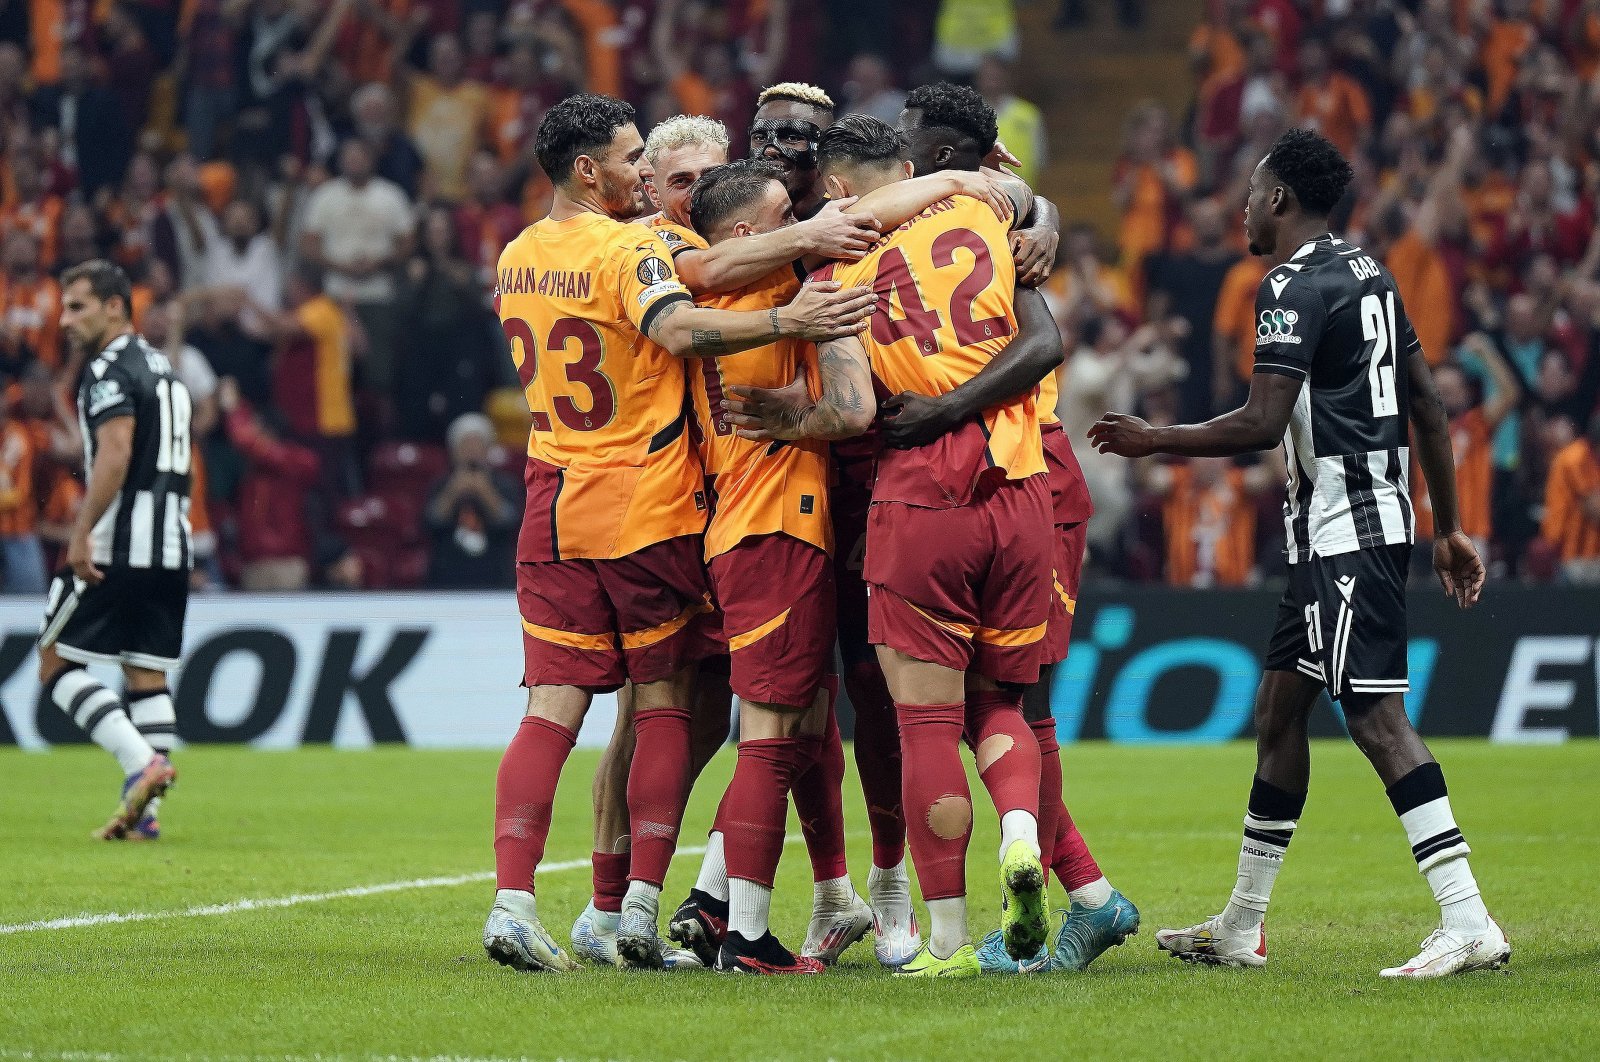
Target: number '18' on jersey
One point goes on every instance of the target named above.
(147, 524)
(1332, 317)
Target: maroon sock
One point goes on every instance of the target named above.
(1050, 802)
(819, 795)
(1071, 861)
(935, 795)
(1007, 751)
(878, 762)
(610, 880)
(756, 806)
(658, 788)
(524, 793)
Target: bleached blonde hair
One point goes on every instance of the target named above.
(681, 130)
(796, 91)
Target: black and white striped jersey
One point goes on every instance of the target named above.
(147, 525)
(1332, 317)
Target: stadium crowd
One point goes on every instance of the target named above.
(311, 198)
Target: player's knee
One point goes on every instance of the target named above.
(52, 667)
(1375, 720)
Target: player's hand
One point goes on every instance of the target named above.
(763, 414)
(80, 560)
(1459, 568)
(1123, 435)
(981, 186)
(834, 234)
(825, 309)
(910, 419)
(1034, 251)
(999, 156)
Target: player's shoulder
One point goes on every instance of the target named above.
(678, 238)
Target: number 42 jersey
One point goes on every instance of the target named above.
(1331, 316)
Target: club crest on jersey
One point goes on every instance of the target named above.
(653, 271)
(1277, 326)
(670, 236)
(103, 395)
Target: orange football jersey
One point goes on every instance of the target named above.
(945, 282)
(611, 466)
(678, 238)
(760, 488)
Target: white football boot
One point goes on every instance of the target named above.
(1214, 944)
(834, 929)
(594, 935)
(639, 945)
(1450, 951)
(898, 939)
(513, 936)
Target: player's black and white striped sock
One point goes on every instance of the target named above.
(1269, 826)
(99, 713)
(152, 712)
(1423, 804)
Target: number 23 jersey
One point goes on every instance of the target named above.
(611, 465)
(1331, 316)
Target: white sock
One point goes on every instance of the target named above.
(99, 713)
(889, 888)
(835, 894)
(748, 907)
(1266, 842)
(1095, 894)
(644, 894)
(155, 717)
(1019, 826)
(947, 922)
(713, 879)
(519, 902)
(1460, 904)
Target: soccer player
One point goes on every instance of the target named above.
(126, 587)
(958, 546)
(611, 584)
(951, 126)
(1339, 373)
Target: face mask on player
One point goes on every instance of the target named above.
(792, 138)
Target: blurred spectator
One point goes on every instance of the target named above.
(245, 255)
(473, 514)
(273, 530)
(95, 140)
(1209, 519)
(448, 117)
(396, 159)
(1472, 426)
(20, 550)
(1233, 331)
(30, 307)
(312, 378)
(131, 65)
(358, 229)
(1082, 286)
(1329, 100)
(183, 230)
(1150, 182)
(486, 222)
(1021, 124)
(1187, 285)
(34, 208)
(1073, 14)
(1572, 506)
(209, 65)
(968, 30)
(870, 88)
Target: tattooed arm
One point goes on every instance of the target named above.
(845, 409)
(822, 310)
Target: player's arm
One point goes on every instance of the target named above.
(1034, 243)
(915, 420)
(1455, 558)
(113, 450)
(731, 264)
(896, 203)
(1293, 317)
(821, 311)
(845, 409)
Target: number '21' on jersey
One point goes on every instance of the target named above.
(1331, 316)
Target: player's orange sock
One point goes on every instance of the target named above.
(524, 792)
(1007, 751)
(610, 880)
(878, 762)
(935, 795)
(1051, 805)
(658, 788)
(819, 795)
(756, 805)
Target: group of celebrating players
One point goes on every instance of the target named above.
(806, 399)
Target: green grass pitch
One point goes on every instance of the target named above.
(402, 973)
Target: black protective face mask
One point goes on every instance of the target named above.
(784, 135)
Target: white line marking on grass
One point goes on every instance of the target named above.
(274, 902)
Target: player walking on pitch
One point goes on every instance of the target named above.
(1339, 372)
(122, 598)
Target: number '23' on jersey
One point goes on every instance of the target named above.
(147, 524)
(1331, 316)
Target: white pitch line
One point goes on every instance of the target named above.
(274, 902)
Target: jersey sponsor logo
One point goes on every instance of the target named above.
(1277, 326)
(103, 395)
(654, 271)
(658, 289)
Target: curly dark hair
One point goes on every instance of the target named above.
(1313, 169)
(721, 190)
(578, 125)
(859, 138)
(958, 108)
